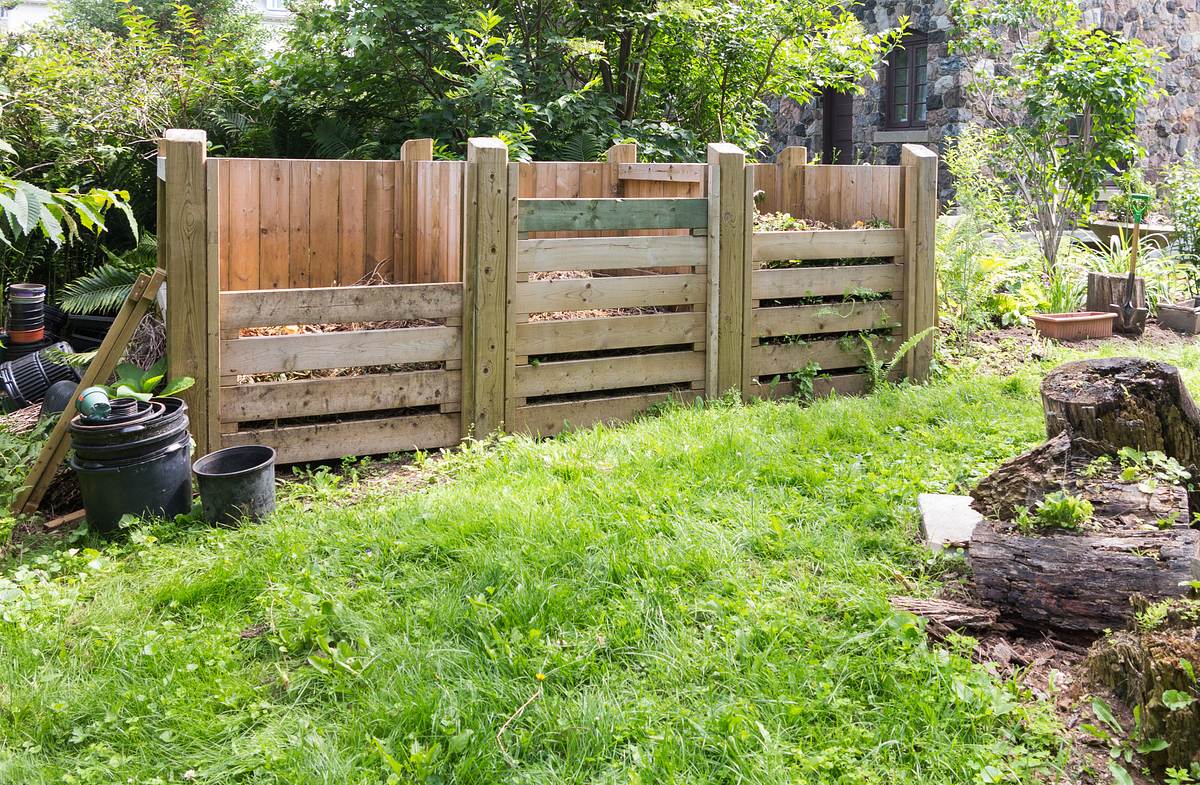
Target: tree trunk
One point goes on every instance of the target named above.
(1106, 293)
(1139, 539)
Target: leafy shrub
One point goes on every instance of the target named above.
(1182, 186)
(1058, 510)
(1128, 182)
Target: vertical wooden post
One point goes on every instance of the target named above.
(792, 161)
(416, 150)
(920, 273)
(190, 260)
(625, 153)
(486, 286)
(729, 274)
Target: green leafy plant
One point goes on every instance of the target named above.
(1182, 188)
(1121, 746)
(105, 288)
(134, 382)
(876, 368)
(1061, 510)
(802, 381)
(1129, 181)
(1149, 468)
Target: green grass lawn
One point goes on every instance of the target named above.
(699, 597)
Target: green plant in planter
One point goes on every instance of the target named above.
(1130, 183)
(134, 382)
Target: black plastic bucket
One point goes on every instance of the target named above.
(26, 379)
(135, 464)
(237, 483)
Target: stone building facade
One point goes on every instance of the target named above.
(865, 128)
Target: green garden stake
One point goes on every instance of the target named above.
(1138, 204)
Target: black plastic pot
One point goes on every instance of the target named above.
(58, 397)
(237, 483)
(134, 464)
(87, 332)
(18, 350)
(56, 323)
(26, 379)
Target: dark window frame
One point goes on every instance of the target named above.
(911, 44)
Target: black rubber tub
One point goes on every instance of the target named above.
(26, 379)
(136, 462)
(236, 484)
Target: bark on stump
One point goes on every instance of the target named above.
(1106, 292)
(1140, 539)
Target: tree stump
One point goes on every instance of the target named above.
(1106, 291)
(1139, 539)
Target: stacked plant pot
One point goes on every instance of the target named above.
(26, 319)
(29, 370)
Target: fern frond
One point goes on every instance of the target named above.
(907, 347)
(71, 359)
(102, 290)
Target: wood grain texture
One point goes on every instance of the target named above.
(826, 318)
(827, 281)
(829, 354)
(828, 244)
(331, 441)
(616, 332)
(576, 294)
(732, 289)
(547, 215)
(607, 373)
(608, 253)
(340, 305)
(920, 222)
(338, 395)
(823, 386)
(316, 351)
(549, 419)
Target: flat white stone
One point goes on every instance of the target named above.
(947, 520)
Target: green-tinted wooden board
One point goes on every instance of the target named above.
(559, 215)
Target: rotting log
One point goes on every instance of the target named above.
(1139, 540)
(1106, 293)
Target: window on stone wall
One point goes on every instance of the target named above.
(908, 83)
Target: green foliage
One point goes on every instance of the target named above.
(144, 384)
(562, 80)
(1122, 746)
(708, 587)
(105, 289)
(231, 18)
(1061, 98)
(1181, 182)
(1057, 510)
(1128, 182)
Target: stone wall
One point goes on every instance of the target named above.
(1170, 126)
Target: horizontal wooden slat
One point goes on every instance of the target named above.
(338, 395)
(841, 384)
(825, 318)
(552, 215)
(340, 305)
(607, 373)
(828, 244)
(827, 281)
(635, 291)
(548, 419)
(609, 332)
(787, 358)
(331, 441)
(603, 253)
(672, 173)
(358, 348)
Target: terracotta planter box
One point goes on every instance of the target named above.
(1153, 235)
(1181, 317)
(1076, 326)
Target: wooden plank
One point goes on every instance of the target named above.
(606, 253)
(823, 386)
(338, 395)
(921, 206)
(226, 211)
(610, 332)
(299, 247)
(672, 173)
(829, 354)
(274, 188)
(487, 289)
(243, 228)
(341, 305)
(208, 378)
(314, 351)
(416, 150)
(141, 296)
(828, 244)
(826, 318)
(380, 206)
(638, 291)
(732, 301)
(605, 373)
(191, 333)
(793, 163)
(323, 240)
(511, 275)
(330, 441)
(827, 281)
(549, 419)
(352, 223)
(541, 215)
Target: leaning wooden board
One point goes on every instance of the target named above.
(145, 289)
